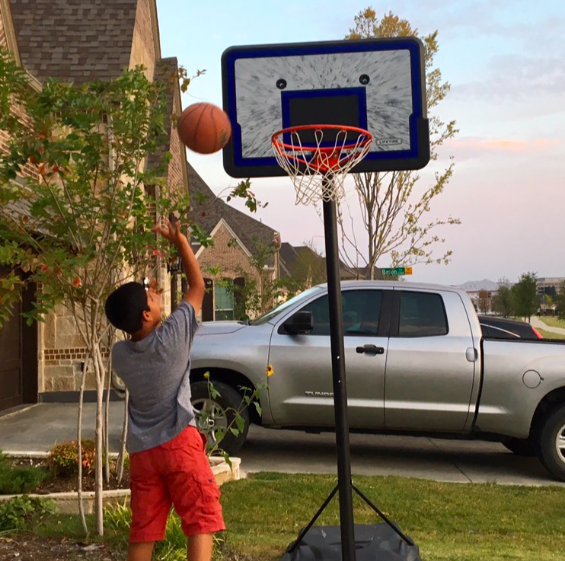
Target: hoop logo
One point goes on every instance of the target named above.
(388, 141)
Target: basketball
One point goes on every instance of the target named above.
(204, 128)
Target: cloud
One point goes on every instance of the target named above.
(516, 77)
(475, 147)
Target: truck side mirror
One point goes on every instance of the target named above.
(300, 322)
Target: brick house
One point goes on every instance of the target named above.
(78, 41)
(244, 249)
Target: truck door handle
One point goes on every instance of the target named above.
(370, 350)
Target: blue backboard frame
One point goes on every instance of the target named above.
(416, 156)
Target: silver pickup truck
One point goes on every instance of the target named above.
(416, 363)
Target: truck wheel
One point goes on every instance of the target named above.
(522, 446)
(216, 415)
(552, 443)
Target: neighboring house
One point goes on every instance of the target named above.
(307, 267)
(78, 41)
(244, 250)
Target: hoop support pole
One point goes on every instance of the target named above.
(338, 374)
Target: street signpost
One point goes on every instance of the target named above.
(396, 272)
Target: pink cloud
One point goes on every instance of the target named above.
(474, 147)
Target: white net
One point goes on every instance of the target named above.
(318, 158)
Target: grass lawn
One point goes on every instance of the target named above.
(549, 335)
(552, 321)
(448, 521)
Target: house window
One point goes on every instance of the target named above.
(223, 301)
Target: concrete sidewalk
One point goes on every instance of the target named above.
(537, 322)
(39, 427)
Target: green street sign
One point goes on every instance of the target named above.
(396, 271)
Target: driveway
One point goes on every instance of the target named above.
(421, 457)
(39, 427)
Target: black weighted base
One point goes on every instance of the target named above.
(373, 542)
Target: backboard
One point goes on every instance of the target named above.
(374, 84)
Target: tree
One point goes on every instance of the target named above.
(560, 301)
(74, 211)
(525, 293)
(77, 203)
(394, 212)
(484, 301)
(503, 301)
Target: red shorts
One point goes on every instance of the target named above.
(177, 474)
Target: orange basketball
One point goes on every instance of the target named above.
(204, 128)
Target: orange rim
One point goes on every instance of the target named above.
(323, 158)
(277, 137)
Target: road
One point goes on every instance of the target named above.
(421, 457)
(39, 427)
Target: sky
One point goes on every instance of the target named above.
(504, 60)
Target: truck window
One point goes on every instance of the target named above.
(361, 311)
(421, 315)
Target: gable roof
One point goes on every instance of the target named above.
(77, 40)
(290, 256)
(207, 210)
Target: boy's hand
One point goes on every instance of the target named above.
(171, 231)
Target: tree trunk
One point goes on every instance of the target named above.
(107, 424)
(79, 446)
(99, 483)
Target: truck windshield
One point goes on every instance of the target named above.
(294, 300)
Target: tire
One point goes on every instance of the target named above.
(552, 443)
(220, 413)
(525, 447)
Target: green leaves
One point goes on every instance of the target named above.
(80, 214)
(525, 295)
(560, 301)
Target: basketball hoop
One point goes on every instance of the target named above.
(318, 157)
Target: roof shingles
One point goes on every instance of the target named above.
(75, 40)
(207, 210)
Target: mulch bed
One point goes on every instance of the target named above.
(28, 547)
(69, 484)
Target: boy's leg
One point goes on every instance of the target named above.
(140, 551)
(199, 547)
(150, 504)
(195, 495)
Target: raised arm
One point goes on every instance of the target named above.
(196, 287)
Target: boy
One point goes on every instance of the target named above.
(168, 463)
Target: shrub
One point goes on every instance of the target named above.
(18, 480)
(24, 513)
(63, 458)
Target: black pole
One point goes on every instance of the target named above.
(338, 374)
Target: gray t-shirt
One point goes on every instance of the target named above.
(156, 372)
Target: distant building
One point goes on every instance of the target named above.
(481, 293)
(549, 285)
